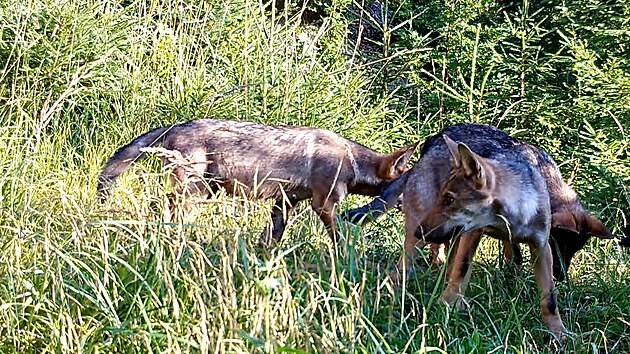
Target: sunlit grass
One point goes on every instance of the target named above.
(81, 78)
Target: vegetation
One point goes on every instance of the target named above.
(80, 78)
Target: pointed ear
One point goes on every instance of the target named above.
(395, 164)
(594, 227)
(471, 163)
(403, 157)
(452, 147)
(564, 220)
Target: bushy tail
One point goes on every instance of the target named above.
(125, 157)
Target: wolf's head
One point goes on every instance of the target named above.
(466, 201)
(571, 227)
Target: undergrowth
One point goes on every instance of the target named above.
(80, 78)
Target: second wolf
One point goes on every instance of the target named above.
(571, 224)
(473, 179)
(284, 163)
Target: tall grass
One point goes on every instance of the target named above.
(80, 78)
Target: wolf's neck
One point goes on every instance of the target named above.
(517, 194)
(365, 163)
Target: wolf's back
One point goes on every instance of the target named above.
(483, 139)
(126, 156)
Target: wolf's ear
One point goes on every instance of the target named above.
(452, 147)
(395, 164)
(472, 166)
(594, 227)
(564, 220)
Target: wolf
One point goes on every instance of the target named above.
(285, 163)
(474, 179)
(571, 224)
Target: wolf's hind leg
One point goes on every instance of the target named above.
(325, 205)
(512, 253)
(188, 181)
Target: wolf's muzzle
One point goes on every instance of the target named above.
(438, 235)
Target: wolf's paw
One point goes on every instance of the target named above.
(453, 298)
(556, 328)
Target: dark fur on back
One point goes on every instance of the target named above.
(434, 168)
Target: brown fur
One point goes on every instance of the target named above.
(284, 163)
(507, 189)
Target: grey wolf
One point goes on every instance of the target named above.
(571, 227)
(474, 179)
(285, 163)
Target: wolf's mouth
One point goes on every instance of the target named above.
(438, 235)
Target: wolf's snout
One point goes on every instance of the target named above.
(438, 234)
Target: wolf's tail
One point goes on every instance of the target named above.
(125, 157)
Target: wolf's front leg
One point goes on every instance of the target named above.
(512, 253)
(409, 255)
(543, 266)
(460, 268)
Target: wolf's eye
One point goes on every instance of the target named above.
(448, 200)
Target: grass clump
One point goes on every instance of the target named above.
(80, 78)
